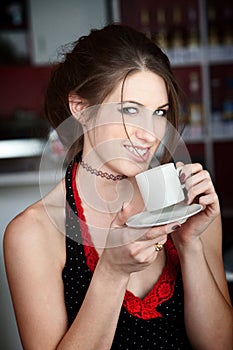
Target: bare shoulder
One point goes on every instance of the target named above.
(38, 227)
(34, 252)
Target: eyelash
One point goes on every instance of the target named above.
(126, 110)
(134, 111)
(158, 111)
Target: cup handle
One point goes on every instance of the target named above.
(178, 170)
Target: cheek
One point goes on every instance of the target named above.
(155, 146)
(160, 126)
(110, 132)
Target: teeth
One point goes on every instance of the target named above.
(137, 151)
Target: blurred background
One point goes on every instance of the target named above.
(197, 35)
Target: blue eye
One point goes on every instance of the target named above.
(161, 112)
(129, 110)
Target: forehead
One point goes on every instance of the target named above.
(144, 87)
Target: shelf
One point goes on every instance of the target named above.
(200, 55)
(223, 138)
(203, 139)
(215, 138)
(219, 54)
(222, 131)
(193, 140)
(193, 134)
(185, 56)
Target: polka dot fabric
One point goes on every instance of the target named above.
(160, 325)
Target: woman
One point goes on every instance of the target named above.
(104, 285)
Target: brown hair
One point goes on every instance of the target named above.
(98, 62)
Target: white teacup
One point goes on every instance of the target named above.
(160, 187)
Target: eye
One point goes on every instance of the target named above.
(129, 110)
(161, 112)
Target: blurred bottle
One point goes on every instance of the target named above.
(196, 122)
(211, 12)
(177, 37)
(145, 21)
(213, 35)
(227, 23)
(193, 37)
(216, 107)
(162, 34)
(228, 35)
(228, 101)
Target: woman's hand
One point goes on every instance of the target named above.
(130, 250)
(199, 189)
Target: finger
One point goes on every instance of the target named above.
(178, 164)
(150, 249)
(198, 179)
(119, 233)
(141, 245)
(146, 255)
(190, 169)
(122, 216)
(161, 231)
(202, 188)
(210, 200)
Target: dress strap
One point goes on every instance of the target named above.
(73, 230)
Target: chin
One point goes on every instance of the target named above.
(133, 170)
(127, 167)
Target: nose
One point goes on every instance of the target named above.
(151, 129)
(147, 136)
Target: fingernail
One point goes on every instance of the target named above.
(182, 178)
(175, 227)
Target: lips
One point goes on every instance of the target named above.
(141, 153)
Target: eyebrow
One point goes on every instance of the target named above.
(165, 105)
(141, 105)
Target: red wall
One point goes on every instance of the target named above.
(22, 87)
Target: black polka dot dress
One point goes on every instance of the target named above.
(155, 322)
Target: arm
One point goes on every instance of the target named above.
(207, 307)
(34, 258)
(34, 271)
(95, 324)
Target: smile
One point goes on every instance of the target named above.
(137, 151)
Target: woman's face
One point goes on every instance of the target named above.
(124, 136)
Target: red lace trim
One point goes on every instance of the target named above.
(163, 289)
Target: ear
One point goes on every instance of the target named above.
(77, 104)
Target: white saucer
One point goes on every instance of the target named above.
(178, 212)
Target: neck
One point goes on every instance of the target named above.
(105, 188)
(101, 174)
(105, 196)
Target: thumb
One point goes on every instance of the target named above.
(121, 216)
(178, 164)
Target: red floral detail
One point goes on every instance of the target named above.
(163, 289)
